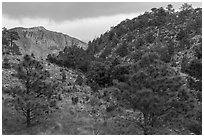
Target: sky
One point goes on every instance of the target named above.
(82, 20)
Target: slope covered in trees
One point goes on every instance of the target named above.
(143, 76)
(159, 70)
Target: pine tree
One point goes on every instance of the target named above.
(36, 96)
(155, 90)
(8, 46)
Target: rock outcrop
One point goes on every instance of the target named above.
(42, 42)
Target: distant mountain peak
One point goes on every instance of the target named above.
(42, 42)
(39, 28)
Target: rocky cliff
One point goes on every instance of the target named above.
(41, 41)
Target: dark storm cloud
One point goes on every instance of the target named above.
(60, 11)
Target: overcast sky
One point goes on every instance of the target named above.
(83, 20)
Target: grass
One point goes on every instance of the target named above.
(65, 121)
(70, 120)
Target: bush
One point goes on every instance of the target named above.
(122, 50)
(98, 73)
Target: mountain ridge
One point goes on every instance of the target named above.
(41, 42)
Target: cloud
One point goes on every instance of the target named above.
(62, 11)
(84, 29)
(83, 20)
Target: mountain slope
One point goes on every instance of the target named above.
(165, 28)
(144, 76)
(139, 55)
(41, 42)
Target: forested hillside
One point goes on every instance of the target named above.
(143, 76)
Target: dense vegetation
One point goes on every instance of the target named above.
(146, 71)
(8, 46)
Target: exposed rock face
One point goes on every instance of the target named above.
(41, 42)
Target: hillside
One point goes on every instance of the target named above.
(142, 77)
(179, 31)
(41, 42)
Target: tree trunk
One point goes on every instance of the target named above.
(145, 131)
(28, 118)
(146, 124)
(145, 128)
(11, 43)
